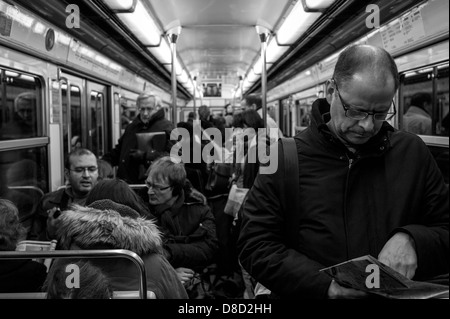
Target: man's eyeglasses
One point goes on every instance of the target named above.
(147, 109)
(157, 187)
(81, 170)
(354, 114)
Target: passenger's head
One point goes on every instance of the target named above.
(81, 169)
(191, 116)
(238, 120)
(422, 100)
(203, 112)
(119, 192)
(165, 181)
(77, 279)
(25, 107)
(11, 230)
(148, 105)
(365, 80)
(252, 101)
(228, 109)
(252, 119)
(105, 170)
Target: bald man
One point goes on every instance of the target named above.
(365, 188)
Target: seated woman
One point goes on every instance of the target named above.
(22, 275)
(186, 220)
(120, 192)
(116, 226)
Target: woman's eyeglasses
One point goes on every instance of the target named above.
(157, 187)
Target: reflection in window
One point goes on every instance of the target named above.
(23, 179)
(21, 110)
(425, 101)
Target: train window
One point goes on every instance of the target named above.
(21, 110)
(72, 130)
(96, 133)
(23, 178)
(424, 101)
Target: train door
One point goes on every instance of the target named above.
(286, 115)
(84, 114)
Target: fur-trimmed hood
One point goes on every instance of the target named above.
(90, 228)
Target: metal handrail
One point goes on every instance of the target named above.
(106, 253)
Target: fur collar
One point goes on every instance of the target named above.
(90, 228)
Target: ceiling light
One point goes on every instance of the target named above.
(142, 25)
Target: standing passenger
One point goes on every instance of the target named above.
(364, 188)
(126, 155)
(418, 117)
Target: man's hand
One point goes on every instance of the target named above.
(52, 222)
(184, 274)
(336, 291)
(137, 155)
(399, 253)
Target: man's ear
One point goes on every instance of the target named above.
(66, 173)
(329, 87)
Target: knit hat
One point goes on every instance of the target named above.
(123, 210)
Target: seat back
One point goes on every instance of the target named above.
(35, 245)
(85, 254)
(26, 198)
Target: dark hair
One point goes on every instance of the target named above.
(254, 99)
(120, 192)
(358, 58)
(238, 120)
(164, 168)
(93, 283)
(252, 119)
(77, 152)
(105, 170)
(11, 230)
(419, 99)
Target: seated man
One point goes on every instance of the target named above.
(184, 217)
(81, 172)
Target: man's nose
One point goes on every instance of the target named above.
(368, 123)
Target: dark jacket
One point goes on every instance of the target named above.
(129, 169)
(107, 229)
(351, 204)
(21, 276)
(189, 231)
(60, 198)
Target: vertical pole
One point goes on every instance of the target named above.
(263, 37)
(173, 41)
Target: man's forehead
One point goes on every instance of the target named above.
(148, 101)
(82, 159)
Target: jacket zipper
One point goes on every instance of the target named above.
(350, 164)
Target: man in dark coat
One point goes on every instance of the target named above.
(364, 189)
(131, 161)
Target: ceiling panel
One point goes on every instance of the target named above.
(218, 38)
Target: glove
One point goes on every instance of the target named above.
(137, 155)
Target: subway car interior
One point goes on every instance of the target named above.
(72, 71)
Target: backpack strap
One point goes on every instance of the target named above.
(290, 197)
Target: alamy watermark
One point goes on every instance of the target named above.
(373, 280)
(73, 19)
(73, 279)
(191, 149)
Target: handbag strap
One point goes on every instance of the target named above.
(290, 197)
